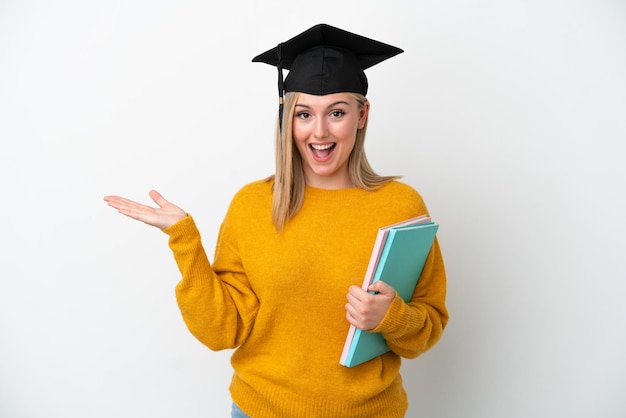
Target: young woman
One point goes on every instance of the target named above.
(292, 251)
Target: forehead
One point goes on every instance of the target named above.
(311, 100)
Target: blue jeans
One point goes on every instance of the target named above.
(237, 413)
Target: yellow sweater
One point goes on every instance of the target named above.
(279, 297)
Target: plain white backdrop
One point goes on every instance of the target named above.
(509, 117)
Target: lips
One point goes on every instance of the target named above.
(322, 151)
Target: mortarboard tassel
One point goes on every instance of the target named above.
(280, 86)
(281, 100)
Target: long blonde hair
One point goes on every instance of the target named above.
(289, 182)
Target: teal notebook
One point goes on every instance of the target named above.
(399, 265)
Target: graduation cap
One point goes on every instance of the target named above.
(325, 60)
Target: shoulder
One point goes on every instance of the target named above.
(401, 190)
(253, 198)
(404, 196)
(256, 189)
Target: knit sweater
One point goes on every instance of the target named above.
(279, 297)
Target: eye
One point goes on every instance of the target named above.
(337, 113)
(303, 115)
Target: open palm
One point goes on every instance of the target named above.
(166, 214)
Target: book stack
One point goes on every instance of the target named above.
(398, 257)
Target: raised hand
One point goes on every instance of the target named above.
(165, 215)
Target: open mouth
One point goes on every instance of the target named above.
(322, 150)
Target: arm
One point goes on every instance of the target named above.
(217, 305)
(409, 328)
(216, 302)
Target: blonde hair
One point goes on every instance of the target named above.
(289, 182)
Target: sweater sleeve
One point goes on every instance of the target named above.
(412, 328)
(217, 304)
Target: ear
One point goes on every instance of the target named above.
(365, 110)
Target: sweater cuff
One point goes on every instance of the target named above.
(181, 227)
(396, 319)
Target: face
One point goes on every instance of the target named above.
(324, 132)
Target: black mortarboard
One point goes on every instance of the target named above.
(324, 60)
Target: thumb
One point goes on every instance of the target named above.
(157, 198)
(381, 288)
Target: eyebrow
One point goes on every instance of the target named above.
(339, 102)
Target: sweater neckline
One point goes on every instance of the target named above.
(315, 192)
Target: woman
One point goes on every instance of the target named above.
(292, 248)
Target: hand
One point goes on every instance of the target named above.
(365, 310)
(165, 215)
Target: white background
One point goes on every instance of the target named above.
(509, 117)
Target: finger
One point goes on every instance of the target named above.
(111, 199)
(351, 314)
(126, 205)
(132, 211)
(381, 287)
(349, 309)
(158, 198)
(351, 299)
(357, 292)
(116, 201)
(350, 319)
(129, 207)
(359, 308)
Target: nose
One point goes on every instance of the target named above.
(321, 128)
